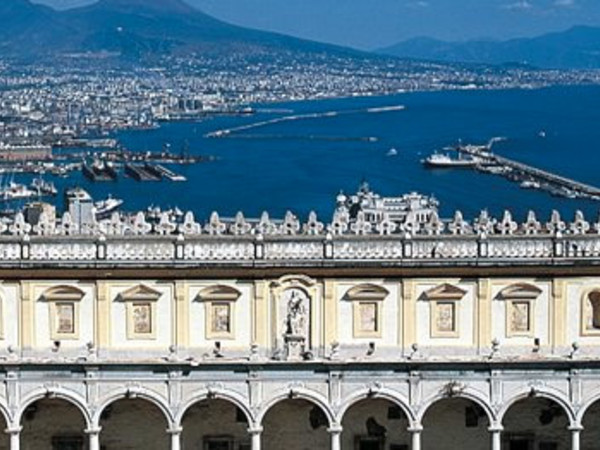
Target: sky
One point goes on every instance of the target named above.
(371, 24)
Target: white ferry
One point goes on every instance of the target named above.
(103, 208)
(443, 160)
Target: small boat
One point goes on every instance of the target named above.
(43, 187)
(392, 152)
(16, 191)
(542, 134)
(530, 184)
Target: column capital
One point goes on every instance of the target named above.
(577, 427)
(415, 428)
(495, 428)
(13, 430)
(174, 430)
(255, 430)
(96, 430)
(335, 429)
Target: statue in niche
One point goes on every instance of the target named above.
(296, 314)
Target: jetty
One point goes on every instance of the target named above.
(141, 173)
(529, 176)
(99, 172)
(163, 172)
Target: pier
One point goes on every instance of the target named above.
(100, 172)
(163, 172)
(140, 173)
(529, 176)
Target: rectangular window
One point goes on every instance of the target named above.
(67, 443)
(446, 320)
(368, 317)
(520, 318)
(142, 318)
(65, 318)
(218, 443)
(221, 317)
(369, 443)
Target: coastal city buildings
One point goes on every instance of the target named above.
(361, 333)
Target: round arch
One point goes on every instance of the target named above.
(593, 399)
(219, 394)
(539, 393)
(66, 395)
(465, 395)
(380, 394)
(5, 413)
(297, 394)
(134, 393)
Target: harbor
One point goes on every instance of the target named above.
(483, 159)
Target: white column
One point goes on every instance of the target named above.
(415, 431)
(336, 437)
(255, 433)
(93, 438)
(496, 433)
(575, 437)
(175, 438)
(15, 437)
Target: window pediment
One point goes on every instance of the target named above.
(219, 293)
(445, 291)
(366, 291)
(139, 292)
(520, 291)
(62, 293)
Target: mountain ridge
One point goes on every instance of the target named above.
(575, 48)
(135, 29)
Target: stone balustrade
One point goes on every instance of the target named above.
(165, 239)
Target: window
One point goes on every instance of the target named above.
(518, 442)
(444, 301)
(67, 443)
(520, 323)
(141, 311)
(369, 443)
(367, 309)
(591, 313)
(520, 309)
(218, 443)
(65, 318)
(220, 310)
(63, 306)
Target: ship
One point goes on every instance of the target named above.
(43, 187)
(16, 191)
(104, 208)
(439, 160)
(100, 171)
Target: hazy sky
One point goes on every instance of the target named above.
(370, 24)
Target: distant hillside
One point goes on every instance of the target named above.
(134, 29)
(576, 48)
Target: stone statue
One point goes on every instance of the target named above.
(296, 314)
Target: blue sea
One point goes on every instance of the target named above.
(300, 165)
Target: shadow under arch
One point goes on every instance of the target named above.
(466, 395)
(65, 395)
(297, 394)
(593, 400)
(219, 394)
(134, 393)
(380, 394)
(538, 394)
